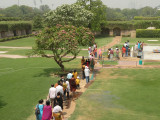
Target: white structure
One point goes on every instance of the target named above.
(148, 53)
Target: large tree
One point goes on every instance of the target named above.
(99, 12)
(62, 40)
(69, 14)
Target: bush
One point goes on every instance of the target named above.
(144, 33)
(15, 37)
(146, 18)
(15, 25)
(10, 18)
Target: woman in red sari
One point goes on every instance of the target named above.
(73, 86)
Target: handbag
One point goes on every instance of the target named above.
(37, 111)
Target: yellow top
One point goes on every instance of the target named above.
(64, 86)
(75, 74)
(77, 81)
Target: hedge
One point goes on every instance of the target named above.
(145, 33)
(15, 25)
(146, 18)
(10, 18)
(120, 24)
(15, 37)
(134, 24)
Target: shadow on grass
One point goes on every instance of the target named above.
(2, 103)
(49, 71)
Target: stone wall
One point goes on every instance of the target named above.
(5, 34)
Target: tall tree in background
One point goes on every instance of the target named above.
(68, 14)
(44, 8)
(98, 9)
(34, 1)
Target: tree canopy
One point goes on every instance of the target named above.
(62, 40)
(68, 14)
(99, 12)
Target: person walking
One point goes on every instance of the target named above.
(92, 63)
(68, 88)
(59, 99)
(111, 54)
(87, 74)
(47, 111)
(123, 51)
(59, 88)
(52, 95)
(40, 107)
(75, 74)
(117, 54)
(57, 112)
(73, 86)
(126, 51)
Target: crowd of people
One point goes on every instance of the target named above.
(61, 91)
(58, 93)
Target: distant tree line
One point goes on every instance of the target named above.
(24, 12)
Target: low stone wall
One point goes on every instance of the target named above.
(5, 34)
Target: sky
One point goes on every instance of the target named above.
(55, 3)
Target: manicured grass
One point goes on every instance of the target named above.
(151, 63)
(23, 82)
(24, 42)
(121, 94)
(135, 40)
(108, 62)
(101, 41)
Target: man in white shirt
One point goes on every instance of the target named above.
(57, 111)
(52, 95)
(69, 75)
(59, 88)
(68, 88)
(86, 71)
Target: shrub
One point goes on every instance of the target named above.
(145, 33)
(146, 18)
(15, 25)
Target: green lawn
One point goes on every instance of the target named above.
(29, 42)
(151, 63)
(121, 94)
(135, 40)
(101, 41)
(23, 82)
(108, 62)
(24, 42)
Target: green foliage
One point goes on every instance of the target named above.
(15, 25)
(62, 40)
(146, 18)
(144, 24)
(134, 24)
(144, 33)
(99, 12)
(14, 38)
(44, 8)
(37, 22)
(24, 12)
(120, 24)
(68, 14)
(10, 18)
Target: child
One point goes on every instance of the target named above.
(77, 82)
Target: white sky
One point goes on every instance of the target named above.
(110, 3)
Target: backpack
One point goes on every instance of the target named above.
(37, 111)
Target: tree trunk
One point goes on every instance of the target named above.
(62, 66)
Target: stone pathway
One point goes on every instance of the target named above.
(12, 56)
(10, 47)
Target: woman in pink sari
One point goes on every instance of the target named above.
(100, 54)
(47, 111)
